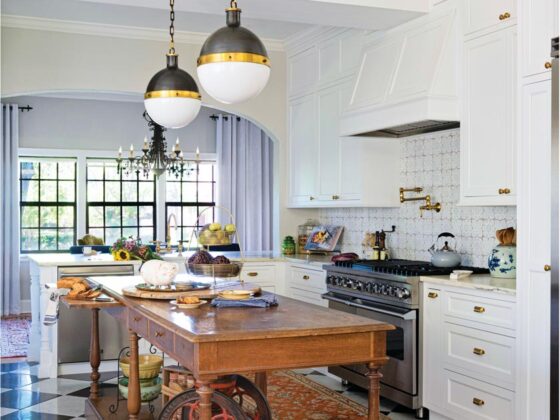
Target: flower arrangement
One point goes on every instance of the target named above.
(126, 249)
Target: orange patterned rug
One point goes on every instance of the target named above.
(294, 397)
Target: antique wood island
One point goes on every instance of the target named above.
(214, 343)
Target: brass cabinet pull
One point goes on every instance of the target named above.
(306, 277)
(479, 309)
(504, 16)
(478, 352)
(136, 318)
(478, 401)
(548, 65)
(504, 191)
(253, 274)
(160, 334)
(311, 198)
(432, 295)
(335, 197)
(547, 267)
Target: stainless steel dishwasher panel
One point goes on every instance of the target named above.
(74, 325)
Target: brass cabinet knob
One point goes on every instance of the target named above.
(306, 277)
(136, 319)
(547, 267)
(335, 197)
(548, 65)
(478, 401)
(504, 16)
(478, 352)
(159, 334)
(504, 191)
(432, 295)
(479, 309)
(253, 274)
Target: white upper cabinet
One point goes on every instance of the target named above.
(480, 15)
(488, 134)
(539, 23)
(304, 144)
(303, 72)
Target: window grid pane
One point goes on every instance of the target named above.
(119, 205)
(47, 204)
(187, 197)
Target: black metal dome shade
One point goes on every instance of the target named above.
(172, 82)
(233, 43)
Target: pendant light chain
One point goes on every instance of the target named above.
(172, 27)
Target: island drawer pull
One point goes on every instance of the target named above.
(479, 309)
(478, 401)
(160, 334)
(432, 295)
(253, 274)
(306, 277)
(478, 352)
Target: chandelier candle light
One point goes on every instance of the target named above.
(172, 98)
(233, 65)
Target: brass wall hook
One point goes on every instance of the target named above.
(426, 207)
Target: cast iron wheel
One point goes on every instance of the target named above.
(251, 399)
(184, 406)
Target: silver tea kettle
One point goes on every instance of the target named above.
(444, 256)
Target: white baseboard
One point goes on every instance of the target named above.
(84, 367)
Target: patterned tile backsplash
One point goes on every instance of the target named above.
(430, 161)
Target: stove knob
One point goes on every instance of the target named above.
(405, 294)
(384, 290)
(360, 286)
(330, 280)
(375, 289)
(368, 288)
(392, 291)
(339, 281)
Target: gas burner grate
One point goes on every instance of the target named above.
(405, 268)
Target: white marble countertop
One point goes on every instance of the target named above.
(61, 259)
(476, 281)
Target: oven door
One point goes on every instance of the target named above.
(401, 371)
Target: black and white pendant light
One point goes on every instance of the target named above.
(172, 98)
(233, 65)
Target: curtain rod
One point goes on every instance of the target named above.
(23, 108)
(225, 117)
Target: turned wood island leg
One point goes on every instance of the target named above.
(374, 386)
(133, 403)
(94, 355)
(260, 381)
(205, 392)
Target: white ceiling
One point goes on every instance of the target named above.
(268, 18)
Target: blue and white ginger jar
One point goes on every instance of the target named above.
(502, 261)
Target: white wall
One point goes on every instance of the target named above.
(102, 125)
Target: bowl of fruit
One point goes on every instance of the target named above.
(201, 263)
(215, 234)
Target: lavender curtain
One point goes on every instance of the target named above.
(9, 211)
(245, 180)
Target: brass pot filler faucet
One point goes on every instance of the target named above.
(428, 206)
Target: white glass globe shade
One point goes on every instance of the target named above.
(172, 112)
(231, 82)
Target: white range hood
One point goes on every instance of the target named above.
(407, 82)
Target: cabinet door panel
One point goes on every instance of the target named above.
(303, 71)
(303, 149)
(488, 144)
(483, 14)
(539, 23)
(329, 114)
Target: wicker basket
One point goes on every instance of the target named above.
(214, 270)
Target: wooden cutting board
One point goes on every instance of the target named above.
(202, 294)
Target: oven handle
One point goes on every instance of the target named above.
(407, 316)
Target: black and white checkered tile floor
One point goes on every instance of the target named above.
(23, 396)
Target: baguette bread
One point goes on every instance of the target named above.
(68, 282)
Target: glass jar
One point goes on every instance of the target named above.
(288, 246)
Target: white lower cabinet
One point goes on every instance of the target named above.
(306, 283)
(268, 275)
(468, 353)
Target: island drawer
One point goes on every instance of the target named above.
(137, 323)
(492, 312)
(472, 351)
(471, 399)
(160, 337)
(258, 273)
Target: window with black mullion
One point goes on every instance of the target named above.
(188, 196)
(119, 205)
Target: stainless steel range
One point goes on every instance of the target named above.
(387, 291)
